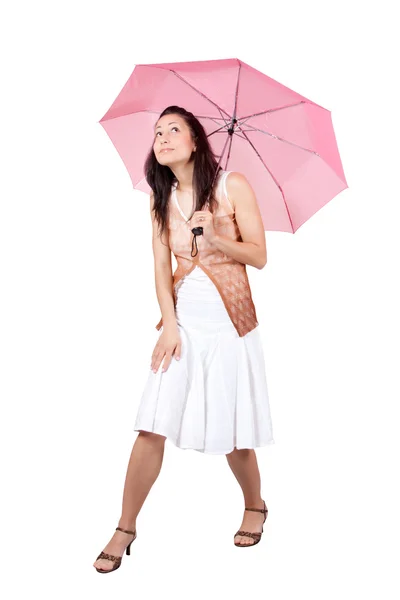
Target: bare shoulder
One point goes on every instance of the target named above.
(239, 190)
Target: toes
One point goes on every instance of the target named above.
(103, 564)
(244, 540)
(241, 540)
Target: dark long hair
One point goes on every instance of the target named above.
(160, 177)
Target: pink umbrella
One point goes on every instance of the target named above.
(282, 142)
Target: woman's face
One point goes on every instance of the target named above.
(173, 141)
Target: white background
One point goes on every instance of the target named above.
(79, 309)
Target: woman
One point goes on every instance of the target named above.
(211, 394)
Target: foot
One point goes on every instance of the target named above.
(116, 546)
(252, 521)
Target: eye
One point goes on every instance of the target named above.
(174, 127)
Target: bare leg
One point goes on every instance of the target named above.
(245, 468)
(143, 469)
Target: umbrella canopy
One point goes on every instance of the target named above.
(282, 142)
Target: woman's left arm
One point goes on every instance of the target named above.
(252, 250)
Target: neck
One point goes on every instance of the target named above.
(184, 176)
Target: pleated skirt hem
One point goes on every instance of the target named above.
(175, 442)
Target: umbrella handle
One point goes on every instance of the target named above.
(196, 231)
(199, 230)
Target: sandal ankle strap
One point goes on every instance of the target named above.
(262, 510)
(125, 530)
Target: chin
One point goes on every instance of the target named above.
(164, 159)
(168, 163)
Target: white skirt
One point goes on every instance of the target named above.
(215, 398)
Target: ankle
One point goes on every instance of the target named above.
(127, 524)
(252, 502)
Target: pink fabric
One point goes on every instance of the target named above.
(282, 142)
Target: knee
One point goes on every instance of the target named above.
(154, 438)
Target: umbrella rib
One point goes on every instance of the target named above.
(217, 130)
(211, 118)
(234, 133)
(157, 112)
(221, 110)
(276, 137)
(133, 112)
(240, 136)
(273, 110)
(273, 178)
(237, 90)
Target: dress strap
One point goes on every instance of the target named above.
(223, 181)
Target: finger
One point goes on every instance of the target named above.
(178, 351)
(154, 358)
(156, 366)
(201, 213)
(157, 360)
(167, 361)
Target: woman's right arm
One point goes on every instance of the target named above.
(163, 274)
(169, 343)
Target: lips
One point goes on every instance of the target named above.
(166, 150)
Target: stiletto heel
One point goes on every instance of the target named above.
(128, 548)
(256, 536)
(116, 559)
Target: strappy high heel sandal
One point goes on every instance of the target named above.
(255, 535)
(116, 559)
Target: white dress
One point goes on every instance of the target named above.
(215, 398)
